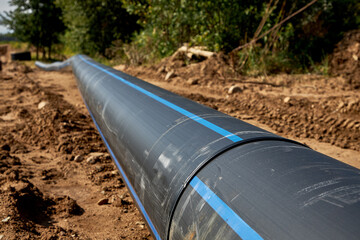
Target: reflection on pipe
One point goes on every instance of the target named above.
(196, 173)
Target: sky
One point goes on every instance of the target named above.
(4, 6)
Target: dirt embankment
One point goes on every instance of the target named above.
(345, 61)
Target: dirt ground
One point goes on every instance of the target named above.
(57, 180)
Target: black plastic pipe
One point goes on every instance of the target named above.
(196, 173)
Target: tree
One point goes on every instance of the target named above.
(94, 24)
(35, 21)
(318, 29)
(220, 25)
(224, 25)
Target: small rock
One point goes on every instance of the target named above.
(118, 186)
(140, 223)
(97, 154)
(42, 104)
(78, 158)
(103, 201)
(351, 103)
(115, 172)
(341, 105)
(246, 117)
(5, 219)
(114, 199)
(193, 81)
(120, 67)
(99, 168)
(234, 89)
(161, 69)
(169, 75)
(203, 69)
(92, 160)
(287, 99)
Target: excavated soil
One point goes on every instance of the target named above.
(345, 59)
(57, 180)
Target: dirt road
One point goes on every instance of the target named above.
(58, 182)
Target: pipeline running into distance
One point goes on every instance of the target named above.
(196, 173)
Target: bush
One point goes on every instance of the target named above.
(219, 25)
(94, 24)
(225, 24)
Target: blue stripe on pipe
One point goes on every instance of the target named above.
(225, 212)
(190, 115)
(130, 187)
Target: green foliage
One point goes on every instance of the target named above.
(319, 28)
(321, 67)
(35, 21)
(226, 24)
(303, 43)
(143, 30)
(17, 45)
(256, 61)
(219, 25)
(94, 24)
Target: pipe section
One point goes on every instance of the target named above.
(196, 173)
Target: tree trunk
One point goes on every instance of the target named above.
(50, 52)
(44, 53)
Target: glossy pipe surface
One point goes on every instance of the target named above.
(197, 173)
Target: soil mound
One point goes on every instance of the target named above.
(27, 208)
(194, 69)
(345, 60)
